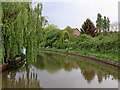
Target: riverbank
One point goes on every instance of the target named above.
(84, 54)
(4, 67)
(102, 46)
(60, 69)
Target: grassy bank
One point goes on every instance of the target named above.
(105, 46)
(108, 56)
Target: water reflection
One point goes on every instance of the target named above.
(54, 62)
(59, 70)
(23, 78)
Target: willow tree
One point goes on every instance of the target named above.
(64, 36)
(21, 26)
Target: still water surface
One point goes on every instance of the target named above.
(54, 70)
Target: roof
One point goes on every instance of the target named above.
(76, 32)
(75, 29)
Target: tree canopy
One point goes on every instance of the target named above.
(89, 28)
(102, 23)
(99, 22)
(21, 26)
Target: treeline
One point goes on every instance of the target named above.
(102, 26)
(56, 38)
(92, 39)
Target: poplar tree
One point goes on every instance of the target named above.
(99, 22)
(104, 24)
(108, 24)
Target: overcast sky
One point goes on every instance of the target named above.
(73, 13)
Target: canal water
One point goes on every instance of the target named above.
(54, 70)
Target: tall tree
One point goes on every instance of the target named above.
(104, 24)
(21, 27)
(99, 22)
(89, 28)
(108, 24)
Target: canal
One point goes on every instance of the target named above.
(55, 70)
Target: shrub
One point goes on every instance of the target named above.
(51, 36)
(100, 37)
(85, 37)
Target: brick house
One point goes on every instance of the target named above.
(76, 32)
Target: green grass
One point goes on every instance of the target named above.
(108, 56)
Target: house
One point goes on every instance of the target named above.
(114, 27)
(76, 32)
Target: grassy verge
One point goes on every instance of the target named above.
(108, 56)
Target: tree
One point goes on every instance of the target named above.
(104, 24)
(108, 24)
(50, 37)
(68, 27)
(89, 28)
(69, 30)
(51, 27)
(99, 22)
(21, 27)
(65, 35)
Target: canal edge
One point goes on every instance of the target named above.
(88, 57)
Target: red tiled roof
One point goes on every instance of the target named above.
(75, 29)
(76, 32)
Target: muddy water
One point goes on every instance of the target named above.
(54, 70)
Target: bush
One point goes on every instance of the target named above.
(43, 44)
(102, 43)
(100, 37)
(50, 37)
(85, 37)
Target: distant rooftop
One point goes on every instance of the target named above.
(75, 29)
(76, 32)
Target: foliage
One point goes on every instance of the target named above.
(51, 27)
(104, 45)
(99, 44)
(102, 23)
(89, 28)
(69, 30)
(99, 22)
(21, 27)
(50, 37)
(65, 36)
(108, 24)
(83, 38)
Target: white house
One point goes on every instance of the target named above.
(114, 27)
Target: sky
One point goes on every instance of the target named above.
(73, 13)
